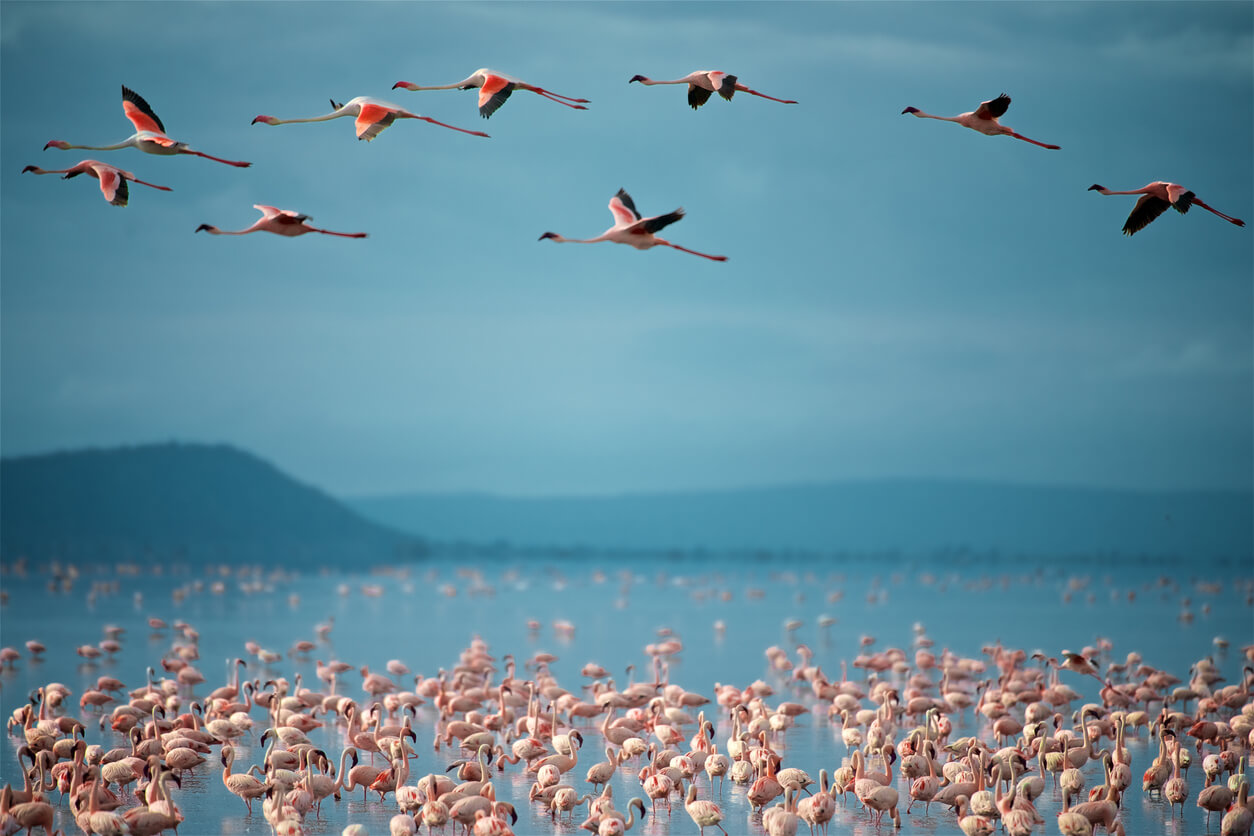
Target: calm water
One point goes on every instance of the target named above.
(424, 614)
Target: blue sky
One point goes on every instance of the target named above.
(903, 297)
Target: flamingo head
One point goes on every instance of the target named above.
(1096, 188)
(911, 110)
(268, 120)
(199, 229)
(57, 143)
(548, 235)
(30, 168)
(408, 85)
(638, 78)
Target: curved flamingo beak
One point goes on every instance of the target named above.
(637, 78)
(1095, 187)
(30, 168)
(547, 235)
(911, 110)
(56, 143)
(408, 85)
(262, 118)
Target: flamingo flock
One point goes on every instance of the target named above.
(989, 739)
(372, 116)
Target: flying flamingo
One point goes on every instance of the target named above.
(149, 134)
(984, 119)
(495, 88)
(630, 228)
(112, 180)
(1157, 197)
(703, 83)
(280, 222)
(373, 115)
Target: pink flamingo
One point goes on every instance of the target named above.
(373, 115)
(495, 88)
(984, 119)
(281, 222)
(1157, 197)
(112, 179)
(631, 229)
(703, 83)
(149, 135)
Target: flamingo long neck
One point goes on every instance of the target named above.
(461, 85)
(126, 143)
(336, 114)
(652, 81)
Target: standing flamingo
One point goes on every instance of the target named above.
(280, 222)
(984, 119)
(112, 179)
(495, 88)
(373, 115)
(149, 134)
(704, 813)
(703, 83)
(629, 228)
(1157, 197)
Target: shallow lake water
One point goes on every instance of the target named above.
(425, 613)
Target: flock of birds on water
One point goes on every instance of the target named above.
(373, 115)
(981, 737)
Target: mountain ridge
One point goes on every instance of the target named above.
(190, 499)
(911, 515)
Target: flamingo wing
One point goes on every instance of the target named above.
(651, 225)
(1146, 210)
(993, 108)
(158, 138)
(139, 112)
(623, 209)
(1180, 197)
(372, 119)
(698, 96)
(112, 184)
(493, 93)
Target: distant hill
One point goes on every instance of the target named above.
(907, 516)
(160, 500)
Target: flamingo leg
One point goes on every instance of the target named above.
(154, 186)
(217, 159)
(1227, 218)
(693, 252)
(443, 125)
(1043, 145)
(559, 101)
(744, 89)
(544, 92)
(340, 234)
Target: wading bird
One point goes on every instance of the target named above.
(373, 115)
(984, 119)
(149, 137)
(280, 222)
(1156, 197)
(629, 228)
(495, 88)
(112, 179)
(702, 83)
